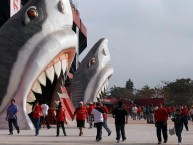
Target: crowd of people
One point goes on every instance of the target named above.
(96, 114)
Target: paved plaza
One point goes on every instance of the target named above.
(137, 132)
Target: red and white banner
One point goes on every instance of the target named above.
(15, 6)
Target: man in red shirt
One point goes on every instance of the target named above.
(90, 117)
(36, 116)
(161, 117)
(185, 112)
(80, 114)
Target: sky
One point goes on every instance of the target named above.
(150, 41)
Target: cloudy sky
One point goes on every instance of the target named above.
(149, 40)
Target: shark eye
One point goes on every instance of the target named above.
(92, 62)
(32, 13)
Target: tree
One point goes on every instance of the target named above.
(145, 92)
(129, 85)
(179, 92)
(118, 92)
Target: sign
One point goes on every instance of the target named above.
(15, 6)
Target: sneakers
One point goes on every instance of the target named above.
(109, 133)
(123, 139)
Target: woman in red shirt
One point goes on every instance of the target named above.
(80, 114)
(61, 119)
(36, 110)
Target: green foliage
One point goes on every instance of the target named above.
(118, 92)
(129, 85)
(179, 92)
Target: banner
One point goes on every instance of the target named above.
(15, 6)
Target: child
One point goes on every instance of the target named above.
(60, 118)
(178, 124)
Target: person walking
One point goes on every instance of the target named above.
(44, 115)
(134, 111)
(105, 116)
(178, 124)
(61, 119)
(98, 120)
(121, 118)
(161, 117)
(36, 116)
(185, 112)
(12, 117)
(81, 114)
(90, 117)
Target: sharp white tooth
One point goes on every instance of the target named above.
(64, 65)
(103, 89)
(42, 79)
(28, 108)
(63, 95)
(107, 83)
(58, 68)
(60, 95)
(100, 92)
(50, 73)
(36, 87)
(31, 97)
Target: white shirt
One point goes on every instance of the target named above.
(134, 109)
(45, 108)
(98, 116)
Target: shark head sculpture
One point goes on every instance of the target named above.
(91, 77)
(37, 44)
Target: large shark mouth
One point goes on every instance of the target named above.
(50, 81)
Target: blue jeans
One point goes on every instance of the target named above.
(36, 125)
(179, 133)
(105, 126)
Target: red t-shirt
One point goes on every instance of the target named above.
(37, 111)
(60, 116)
(139, 109)
(106, 111)
(161, 115)
(81, 113)
(89, 109)
(169, 109)
(185, 112)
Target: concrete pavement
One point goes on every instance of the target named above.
(137, 132)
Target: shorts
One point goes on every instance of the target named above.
(80, 123)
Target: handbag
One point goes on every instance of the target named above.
(172, 131)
